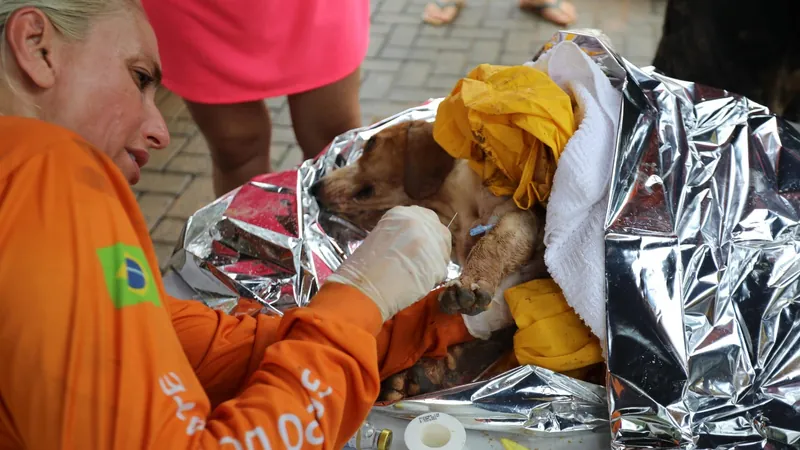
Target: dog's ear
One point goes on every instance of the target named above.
(426, 163)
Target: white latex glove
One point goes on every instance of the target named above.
(400, 261)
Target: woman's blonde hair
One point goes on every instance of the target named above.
(70, 17)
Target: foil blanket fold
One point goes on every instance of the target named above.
(702, 271)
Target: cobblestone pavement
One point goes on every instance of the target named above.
(408, 62)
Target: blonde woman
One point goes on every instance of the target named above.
(94, 353)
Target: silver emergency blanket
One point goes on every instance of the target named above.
(702, 270)
(267, 247)
(527, 400)
(701, 260)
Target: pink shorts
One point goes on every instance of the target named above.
(233, 51)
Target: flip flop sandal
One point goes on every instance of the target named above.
(539, 9)
(442, 4)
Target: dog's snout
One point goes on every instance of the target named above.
(316, 188)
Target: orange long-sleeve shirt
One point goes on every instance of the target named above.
(95, 355)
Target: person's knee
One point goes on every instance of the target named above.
(318, 116)
(346, 120)
(236, 134)
(234, 149)
(314, 131)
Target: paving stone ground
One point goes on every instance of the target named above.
(408, 62)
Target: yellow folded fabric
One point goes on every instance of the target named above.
(550, 335)
(512, 123)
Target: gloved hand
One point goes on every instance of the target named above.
(400, 261)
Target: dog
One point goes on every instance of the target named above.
(403, 165)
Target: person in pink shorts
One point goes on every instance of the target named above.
(225, 57)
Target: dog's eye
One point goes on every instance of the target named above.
(370, 143)
(365, 193)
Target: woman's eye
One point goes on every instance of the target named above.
(143, 79)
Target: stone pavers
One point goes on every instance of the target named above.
(408, 62)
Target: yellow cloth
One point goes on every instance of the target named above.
(512, 123)
(508, 444)
(550, 335)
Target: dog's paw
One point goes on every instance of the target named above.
(462, 298)
(395, 388)
(462, 364)
(427, 375)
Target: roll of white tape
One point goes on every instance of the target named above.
(435, 431)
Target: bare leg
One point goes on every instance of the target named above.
(321, 114)
(238, 136)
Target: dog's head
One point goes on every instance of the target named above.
(401, 166)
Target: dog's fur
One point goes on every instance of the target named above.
(401, 166)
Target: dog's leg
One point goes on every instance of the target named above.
(463, 363)
(504, 249)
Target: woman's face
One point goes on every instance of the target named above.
(104, 88)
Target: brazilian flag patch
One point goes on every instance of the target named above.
(128, 276)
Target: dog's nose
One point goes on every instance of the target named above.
(316, 188)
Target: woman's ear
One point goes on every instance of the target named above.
(31, 40)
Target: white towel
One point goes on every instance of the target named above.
(575, 254)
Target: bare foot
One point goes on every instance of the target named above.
(441, 12)
(557, 11)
